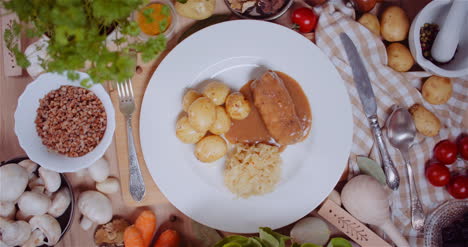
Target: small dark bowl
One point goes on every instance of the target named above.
(65, 220)
(259, 16)
(440, 218)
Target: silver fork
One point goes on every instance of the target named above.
(127, 107)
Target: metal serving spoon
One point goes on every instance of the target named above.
(401, 132)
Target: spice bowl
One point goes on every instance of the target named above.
(32, 143)
(442, 217)
(169, 32)
(436, 12)
(253, 9)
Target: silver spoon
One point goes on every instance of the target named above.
(401, 132)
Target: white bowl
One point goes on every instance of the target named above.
(436, 12)
(25, 128)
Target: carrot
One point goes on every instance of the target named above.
(146, 224)
(169, 238)
(132, 237)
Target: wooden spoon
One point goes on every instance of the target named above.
(367, 200)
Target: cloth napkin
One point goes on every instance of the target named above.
(391, 88)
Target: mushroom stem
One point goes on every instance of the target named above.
(86, 223)
(36, 239)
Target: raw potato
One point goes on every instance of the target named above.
(371, 22)
(216, 91)
(399, 57)
(189, 97)
(202, 114)
(394, 24)
(222, 123)
(186, 133)
(437, 90)
(425, 121)
(196, 9)
(237, 106)
(210, 148)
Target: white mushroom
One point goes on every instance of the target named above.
(15, 178)
(20, 215)
(60, 202)
(34, 181)
(34, 203)
(108, 186)
(14, 233)
(43, 226)
(99, 171)
(7, 210)
(51, 179)
(95, 208)
(30, 167)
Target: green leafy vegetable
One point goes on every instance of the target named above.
(78, 32)
(339, 242)
(371, 168)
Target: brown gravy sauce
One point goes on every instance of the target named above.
(252, 129)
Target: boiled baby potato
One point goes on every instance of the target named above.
(202, 114)
(437, 90)
(189, 97)
(399, 57)
(371, 22)
(222, 123)
(394, 24)
(210, 148)
(237, 106)
(196, 9)
(425, 121)
(216, 91)
(186, 133)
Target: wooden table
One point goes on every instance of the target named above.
(12, 87)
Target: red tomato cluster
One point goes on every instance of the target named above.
(446, 153)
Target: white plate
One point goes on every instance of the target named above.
(235, 52)
(25, 128)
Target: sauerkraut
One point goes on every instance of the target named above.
(252, 169)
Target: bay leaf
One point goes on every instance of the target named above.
(206, 236)
(371, 168)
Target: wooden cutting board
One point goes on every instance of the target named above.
(140, 81)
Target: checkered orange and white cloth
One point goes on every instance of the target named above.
(390, 88)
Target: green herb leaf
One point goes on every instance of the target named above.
(371, 168)
(339, 242)
(165, 10)
(163, 25)
(182, 1)
(147, 13)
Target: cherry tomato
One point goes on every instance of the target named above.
(305, 19)
(458, 187)
(438, 174)
(463, 147)
(446, 152)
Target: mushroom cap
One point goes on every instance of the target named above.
(14, 233)
(60, 202)
(34, 203)
(29, 165)
(15, 178)
(95, 206)
(7, 210)
(99, 171)
(49, 227)
(51, 179)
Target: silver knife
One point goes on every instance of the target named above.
(366, 94)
